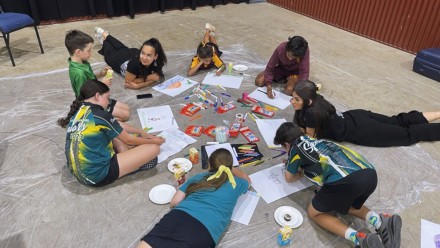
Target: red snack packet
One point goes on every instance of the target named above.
(249, 135)
(262, 111)
(226, 108)
(190, 110)
(194, 130)
(210, 131)
(234, 129)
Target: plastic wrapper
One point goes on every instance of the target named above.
(43, 205)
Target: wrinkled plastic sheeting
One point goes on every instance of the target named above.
(42, 205)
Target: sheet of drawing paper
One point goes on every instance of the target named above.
(175, 85)
(429, 233)
(227, 81)
(175, 141)
(227, 146)
(245, 207)
(156, 119)
(271, 185)
(268, 128)
(280, 101)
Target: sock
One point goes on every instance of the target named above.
(374, 219)
(350, 234)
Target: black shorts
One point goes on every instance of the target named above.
(111, 105)
(113, 173)
(350, 191)
(179, 229)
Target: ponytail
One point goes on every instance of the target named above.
(88, 90)
(63, 122)
(218, 157)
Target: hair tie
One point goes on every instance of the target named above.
(80, 98)
(228, 172)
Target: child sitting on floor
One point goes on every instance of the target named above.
(92, 135)
(346, 180)
(202, 207)
(208, 54)
(79, 45)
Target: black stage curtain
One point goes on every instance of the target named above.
(67, 10)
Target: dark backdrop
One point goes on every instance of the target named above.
(48, 11)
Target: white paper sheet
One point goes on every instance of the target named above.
(175, 85)
(271, 185)
(268, 128)
(175, 141)
(227, 81)
(157, 119)
(227, 146)
(245, 207)
(427, 233)
(281, 100)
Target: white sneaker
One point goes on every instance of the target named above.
(98, 34)
(209, 27)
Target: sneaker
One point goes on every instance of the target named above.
(318, 87)
(389, 230)
(371, 240)
(98, 34)
(209, 27)
(148, 166)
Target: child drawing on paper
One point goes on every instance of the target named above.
(346, 179)
(208, 54)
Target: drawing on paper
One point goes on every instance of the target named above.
(274, 177)
(172, 83)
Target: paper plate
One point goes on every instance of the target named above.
(240, 67)
(183, 162)
(162, 194)
(296, 217)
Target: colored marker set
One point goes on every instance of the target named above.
(247, 154)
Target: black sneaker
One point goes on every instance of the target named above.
(371, 240)
(389, 230)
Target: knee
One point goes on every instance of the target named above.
(125, 115)
(312, 212)
(155, 149)
(259, 80)
(288, 91)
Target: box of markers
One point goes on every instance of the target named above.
(262, 111)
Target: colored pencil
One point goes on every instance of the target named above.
(195, 118)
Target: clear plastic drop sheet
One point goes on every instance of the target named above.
(42, 205)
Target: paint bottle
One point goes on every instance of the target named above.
(230, 66)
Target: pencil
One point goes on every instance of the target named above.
(263, 92)
(218, 85)
(195, 118)
(256, 162)
(252, 117)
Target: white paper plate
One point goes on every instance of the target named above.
(183, 162)
(162, 193)
(296, 217)
(240, 67)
